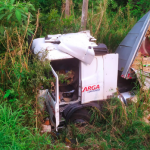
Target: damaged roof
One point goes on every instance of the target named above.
(79, 45)
(130, 45)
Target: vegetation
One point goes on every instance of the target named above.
(116, 127)
(22, 75)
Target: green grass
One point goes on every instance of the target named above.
(117, 127)
(108, 28)
(15, 136)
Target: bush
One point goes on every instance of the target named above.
(13, 135)
(138, 7)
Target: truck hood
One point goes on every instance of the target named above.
(79, 45)
(130, 45)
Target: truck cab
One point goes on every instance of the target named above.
(91, 74)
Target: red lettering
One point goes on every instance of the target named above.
(97, 87)
(89, 88)
(85, 89)
(93, 87)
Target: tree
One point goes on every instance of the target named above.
(84, 14)
(67, 8)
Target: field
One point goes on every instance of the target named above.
(21, 76)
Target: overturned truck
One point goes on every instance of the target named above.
(92, 73)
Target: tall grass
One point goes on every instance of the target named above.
(21, 76)
(115, 127)
(15, 136)
(107, 28)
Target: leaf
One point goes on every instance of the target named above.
(1, 29)
(1, 16)
(8, 17)
(8, 92)
(26, 9)
(2, 8)
(18, 15)
(30, 32)
(12, 1)
(10, 8)
(32, 7)
(6, 95)
(12, 100)
(24, 16)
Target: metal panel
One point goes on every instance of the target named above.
(137, 27)
(136, 45)
(129, 40)
(92, 80)
(78, 46)
(125, 52)
(53, 105)
(123, 56)
(132, 43)
(49, 50)
(121, 64)
(66, 46)
(110, 74)
(144, 17)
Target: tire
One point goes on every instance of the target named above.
(80, 117)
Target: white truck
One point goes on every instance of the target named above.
(93, 74)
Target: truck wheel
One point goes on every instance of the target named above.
(80, 117)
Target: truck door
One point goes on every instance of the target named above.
(52, 102)
(92, 80)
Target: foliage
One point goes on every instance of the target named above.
(104, 26)
(23, 74)
(14, 136)
(111, 32)
(46, 6)
(13, 14)
(53, 23)
(115, 127)
(139, 8)
(21, 78)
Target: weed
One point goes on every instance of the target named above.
(22, 75)
(15, 136)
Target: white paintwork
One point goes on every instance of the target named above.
(110, 74)
(97, 74)
(92, 75)
(103, 72)
(53, 105)
(49, 49)
(52, 38)
(72, 45)
(97, 80)
(77, 45)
